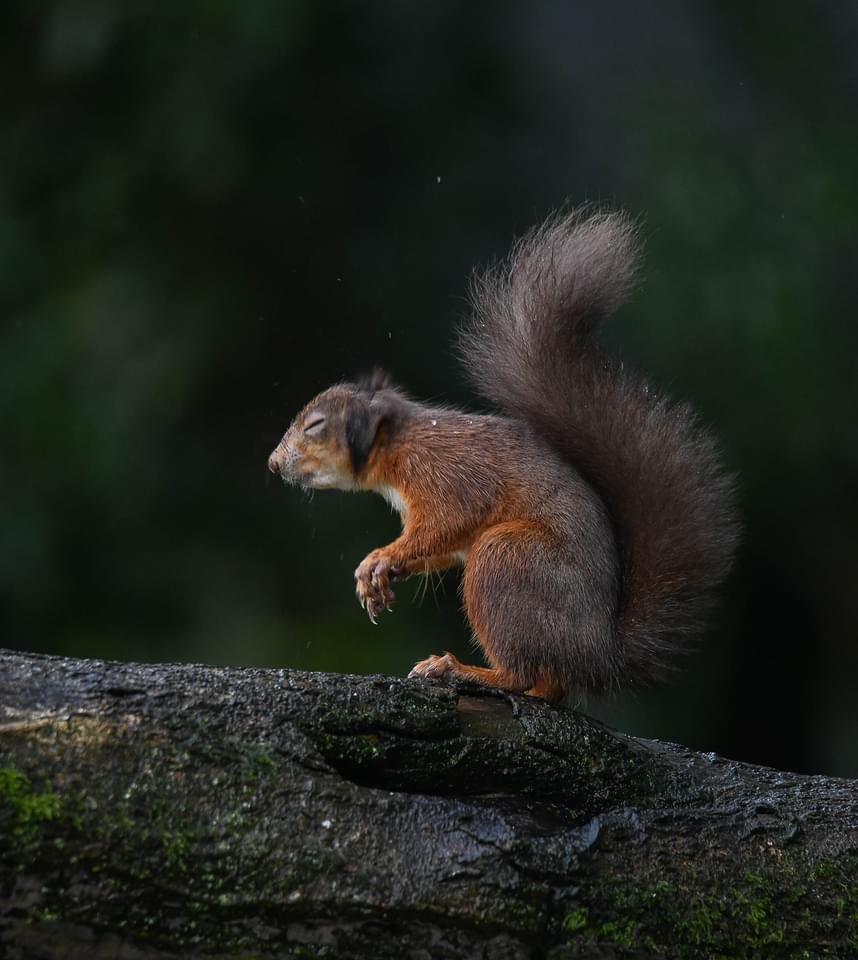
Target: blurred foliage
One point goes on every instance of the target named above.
(209, 211)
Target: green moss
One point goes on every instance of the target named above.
(576, 920)
(175, 845)
(756, 914)
(372, 743)
(699, 921)
(754, 879)
(823, 870)
(523, 915)
(46, 916)
(769, 912)
(622, 933)
(28, 808)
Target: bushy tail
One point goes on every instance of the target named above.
(529, 347)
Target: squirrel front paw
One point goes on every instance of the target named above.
(372, 586)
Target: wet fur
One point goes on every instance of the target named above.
(529, 347)
(593, 516)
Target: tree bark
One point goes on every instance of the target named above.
(159, 811)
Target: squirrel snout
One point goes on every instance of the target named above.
(274, 462)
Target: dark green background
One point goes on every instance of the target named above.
(210, 210)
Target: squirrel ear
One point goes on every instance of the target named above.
(363, 419)
(373, 382)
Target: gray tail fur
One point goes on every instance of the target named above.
(529, 347)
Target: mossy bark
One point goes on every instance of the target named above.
(160, 811)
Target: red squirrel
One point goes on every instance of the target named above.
(593, 517)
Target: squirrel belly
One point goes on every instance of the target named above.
(593, 516)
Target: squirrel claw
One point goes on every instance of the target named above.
(373, 585)
(374, 607)
(434, 667)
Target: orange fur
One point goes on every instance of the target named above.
(593, 519)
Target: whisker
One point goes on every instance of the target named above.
(437, 581)
(420, 595)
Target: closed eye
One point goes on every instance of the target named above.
(314, 426)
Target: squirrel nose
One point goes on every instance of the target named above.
(274, 463)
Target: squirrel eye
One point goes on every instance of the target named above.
(314, 426)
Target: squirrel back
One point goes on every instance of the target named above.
(529, 347)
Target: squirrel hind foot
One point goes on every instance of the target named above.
(449, 667)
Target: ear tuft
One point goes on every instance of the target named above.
(373, 382)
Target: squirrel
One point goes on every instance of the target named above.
(593, 516)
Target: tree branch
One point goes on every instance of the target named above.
(150, 811)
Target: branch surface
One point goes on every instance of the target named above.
(151, 811)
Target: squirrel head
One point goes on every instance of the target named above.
(331, 441)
